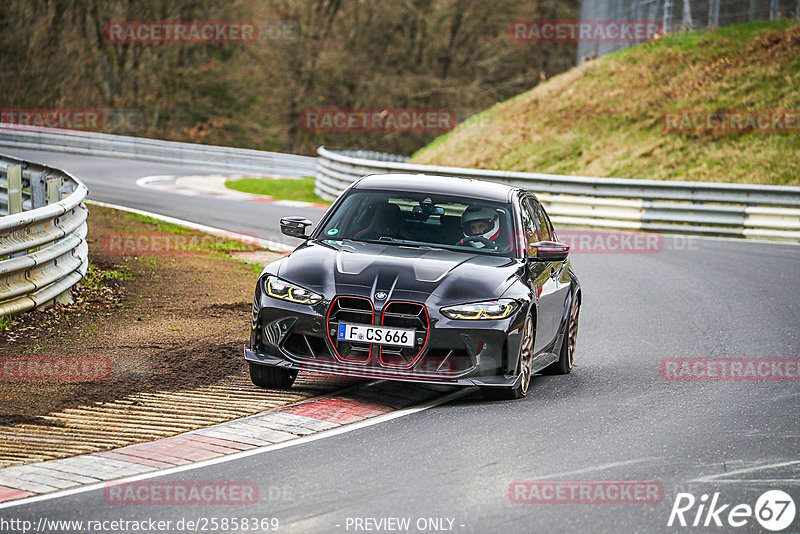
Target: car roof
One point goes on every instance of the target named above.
(444, 185)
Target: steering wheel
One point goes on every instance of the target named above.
(480, 239)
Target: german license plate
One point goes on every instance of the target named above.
(380, 335)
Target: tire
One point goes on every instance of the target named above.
(566, 356)
(525, 363)
(267, 377)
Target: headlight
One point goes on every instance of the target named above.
(281, 289)
(490, 309)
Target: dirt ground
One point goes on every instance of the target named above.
(162, 316)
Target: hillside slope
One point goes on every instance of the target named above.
(606, 117)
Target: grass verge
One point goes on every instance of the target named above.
(166, 311)
(606, 117)
(301, 189)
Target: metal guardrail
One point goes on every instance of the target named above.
(43, 250)
(694, 208)
(139, 148)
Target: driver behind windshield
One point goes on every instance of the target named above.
(479, 225)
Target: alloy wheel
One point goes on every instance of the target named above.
(526, 355)
(573, 333)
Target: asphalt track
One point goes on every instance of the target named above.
(114, 181)
(614, 418)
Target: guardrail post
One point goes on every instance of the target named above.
(66, 188)
(686, 19)
(64, 298)
(53, 192)
(667, 18)
(713, 13)
(38, 198)
(14, 189)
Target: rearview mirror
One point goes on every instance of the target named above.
(548, 250)
(295, 226)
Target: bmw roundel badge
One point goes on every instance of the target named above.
(380, 295)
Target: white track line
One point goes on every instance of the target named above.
(757, 481)
(251, 452)
(601, 467)
(720, 477)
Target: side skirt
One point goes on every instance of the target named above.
(551, 354)
(542, 360)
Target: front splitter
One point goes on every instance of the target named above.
(379, 374)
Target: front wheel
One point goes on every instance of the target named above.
(566, 356)
(267, 377)
(525, 364)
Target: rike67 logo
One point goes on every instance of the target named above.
(774, 510)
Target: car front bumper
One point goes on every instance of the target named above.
(455, 352)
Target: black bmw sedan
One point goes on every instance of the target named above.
(420, 278)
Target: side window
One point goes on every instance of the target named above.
(553, 235)
(545, 230)
(530, 223)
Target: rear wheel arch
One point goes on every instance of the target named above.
(576, 296)
(566, 353)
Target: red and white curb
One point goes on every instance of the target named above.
(213, 186)
(297, 423)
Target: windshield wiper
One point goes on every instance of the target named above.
(379, 241)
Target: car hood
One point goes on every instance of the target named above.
(335, 267)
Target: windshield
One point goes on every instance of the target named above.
(422, 219)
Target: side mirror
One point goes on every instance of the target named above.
(548, 250)
(295, 226)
